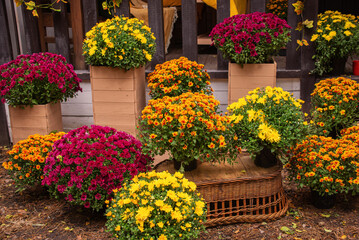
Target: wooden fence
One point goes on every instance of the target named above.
(84, 14)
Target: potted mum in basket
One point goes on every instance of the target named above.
(117, 51)
(328, 166)
(87, 163)
(335, 38)
(177, 76)
(267, 122)
(249, 41)
(33, 86)
(156, 205)
(188, 127)
(335, 105)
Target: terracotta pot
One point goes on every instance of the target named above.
(118, 97)
(190, 167)
(241, 80)
(356, 67)
(265, 159)
(322, 202)
(39, 119)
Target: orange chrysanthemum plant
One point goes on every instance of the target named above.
(189, 127)
(327, 165)
(27, 159)
(335, 104)
(177, 76)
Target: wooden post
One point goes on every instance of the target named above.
(61, 31)
(223, 11)
(258, 5)
(155, 20)
(124, 9)
(77, 34)
(189, 29)
(292, 53)
(307, 81)
(32, 39)
(5, 56)
(89, 9)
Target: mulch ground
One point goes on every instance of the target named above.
(33, 214)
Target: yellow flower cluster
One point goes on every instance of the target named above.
(327, 165)
(27, 157)
(174, 77)
(244, 110)
(332, 23)
(157, 205)
(109, 43)
(278, 7)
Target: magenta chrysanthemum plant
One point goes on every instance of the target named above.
(36, 79)
(88, 163)
(251, 38)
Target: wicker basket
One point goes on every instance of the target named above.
(255, 195)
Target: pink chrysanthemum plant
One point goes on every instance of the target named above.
(251, 38)
(89, 162)
(40, 78)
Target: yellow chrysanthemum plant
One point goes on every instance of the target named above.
(336, 37)
(326, 165)
(335, 105)
(119, 42)
(157, 206)
(267, 122)
(278, 7)
(177, 76)
(189, 127)
(27, 159)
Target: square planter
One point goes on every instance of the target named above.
(39, 119)
(118, 97)
(241, 80)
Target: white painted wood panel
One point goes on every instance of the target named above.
(78, 111)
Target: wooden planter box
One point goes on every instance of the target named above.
(39, 119)
(241, 192)
(241, 80)
(118, 97)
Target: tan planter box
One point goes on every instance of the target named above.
(118, 97)
(39, 119)
(241, 80)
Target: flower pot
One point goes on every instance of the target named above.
(118, 97)
(265, 159)
(338, 65)
(322, 202)
(356, 67)
(190, 167)
(241, 80)
(39, 119)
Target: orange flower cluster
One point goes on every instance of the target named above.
(334, 104)
(325, 164)
(177, 76)
(27, 158)
(186, 125)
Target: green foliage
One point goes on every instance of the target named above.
(336, 37)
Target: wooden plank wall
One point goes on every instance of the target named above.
(156, 24)
(5, 56)
(307, 80)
